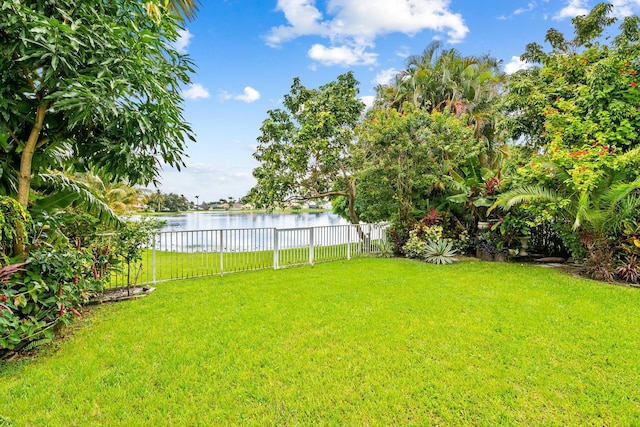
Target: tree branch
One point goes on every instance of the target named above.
(28, 78)
(16, 139)
(46, 139)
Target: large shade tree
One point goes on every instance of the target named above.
(306, 150)
(89, 85)
(407, 160)
(584, 90)
(579, 104)
(578, 108)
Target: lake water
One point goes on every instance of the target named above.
(239, 220)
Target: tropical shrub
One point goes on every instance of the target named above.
(48, 289)
(129, 242)
(440, 252)
(44, 293)
(427, 240)
(629, 270)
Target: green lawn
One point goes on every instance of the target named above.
(361, 342)
(181, 265)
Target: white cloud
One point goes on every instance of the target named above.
(572, 9)
(532, 5)
(195, 91)
(626, 7)
(516, 64)
(230, 180)
(342, 55)
(385, 76)
(368, 100)
(353, 25)
(183, 41)
(249, 95)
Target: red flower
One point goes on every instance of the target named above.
(3, 298)
(633, 84)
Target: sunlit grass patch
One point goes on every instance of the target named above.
(361, 342)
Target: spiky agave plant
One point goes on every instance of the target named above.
(440, 252)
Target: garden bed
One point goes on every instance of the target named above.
(122, 294)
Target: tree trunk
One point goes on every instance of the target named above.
(24, 175)
(353, 216)
(26, 160)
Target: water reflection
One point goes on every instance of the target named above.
(240, 220)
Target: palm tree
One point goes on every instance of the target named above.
(439, 80)
(596, 210)
(464, 85)
(184, 9)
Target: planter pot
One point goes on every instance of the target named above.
(524, 245)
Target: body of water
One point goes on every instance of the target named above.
(239, 220)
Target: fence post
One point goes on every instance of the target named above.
(349, 228)
(311, 244)
(275, 248)
(153, 260)
(221, 251)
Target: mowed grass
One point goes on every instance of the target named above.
(360, 342)
(181, 265)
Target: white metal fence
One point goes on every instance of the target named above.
(188, 254)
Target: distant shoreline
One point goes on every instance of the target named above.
(234, 211)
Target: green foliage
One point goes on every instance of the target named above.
(306, 150)
(427, 242)
(407, 161)
(440, 252)
(583, 95)
(62, 272)
(15, 224)
(444, 80)
(475, 188)
(130, 242)
(44, 293)
(72, 94)
(578, 109)
(171, 202)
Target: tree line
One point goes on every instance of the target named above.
(549, 153)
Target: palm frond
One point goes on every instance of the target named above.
(62, 191)
(614, 195)
(527, 193)
(185, 9)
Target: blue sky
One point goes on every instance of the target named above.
(248, 52)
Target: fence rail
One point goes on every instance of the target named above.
(188, 254)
